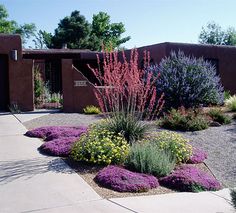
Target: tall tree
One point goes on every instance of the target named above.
(74, 30)
(106, 33)
(11, 27)
(42, 40)
(78, 33)
(212, 33)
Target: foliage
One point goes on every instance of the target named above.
(219, 116)
(122, 180)
(91, 110)
(126, 88)
(227, 95)
(58, 147)
(184, 120)
(198, 156)
(100, 146)
(38, 86)
(174, 143)
(187, 81)
(212, 33)
(231, 103)
(106, 33)
(233, 197)
(14, 108)
(187, 178)
(148, 158)
(42, 39)
(127, 125)
(78, 33)
(11, 27)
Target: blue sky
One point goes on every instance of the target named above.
(147, 22)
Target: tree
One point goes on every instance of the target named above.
(74, 30)
(106, 33)
(42, 39)
(213, 34)
(78, 33)
(11, 27)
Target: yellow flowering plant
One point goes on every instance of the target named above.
(100, 146)
(173, 142)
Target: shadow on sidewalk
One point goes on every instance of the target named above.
(15, 169)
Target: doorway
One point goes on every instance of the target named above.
(4, 83)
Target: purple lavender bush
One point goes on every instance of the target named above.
(122, 180)
(187, 81)
(188, 178)
(198, 156)
(58, 147)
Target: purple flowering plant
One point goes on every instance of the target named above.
(198, 156)
(187, 178)
(122, 180)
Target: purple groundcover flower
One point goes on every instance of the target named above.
(66, 132)
(198, 156)
(188, 178)
(58, 147)
(55, 131)
(122, 180)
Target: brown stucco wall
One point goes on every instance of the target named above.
(75, 98)
(19, 72)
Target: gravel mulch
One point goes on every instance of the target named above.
(219, 142)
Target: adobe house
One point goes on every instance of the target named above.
(69, 71)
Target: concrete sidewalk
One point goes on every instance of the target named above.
(30, 182)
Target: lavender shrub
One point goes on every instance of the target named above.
(187, 81)
(122, 180)
(188, 178)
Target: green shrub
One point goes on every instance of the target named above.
(231, 103)
(219, 116)
(179, 147)
(233, 197)
(148, 158)
(184, 120)
(91, 110)
(128, 125)
(38, 85)
(100, 146)
(227, 95)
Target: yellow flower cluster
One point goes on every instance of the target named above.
(100, 146)
(174, 142)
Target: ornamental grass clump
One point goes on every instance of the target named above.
(184, 120)
(174, 143)
(188, 178)
(233, 197)
(218, 115)
(100, 146)
(91, 110)
(148, 158)
(230, 103)
(127, 125)
(122, 180)
(187, 81)
(125, 88)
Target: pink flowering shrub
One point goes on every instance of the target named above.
(198, 156)
(187, 178)
(125, 87)
(122, 180)
(58, 147)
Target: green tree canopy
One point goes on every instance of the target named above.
(11, 27)
(78, 33)
(212, 33)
